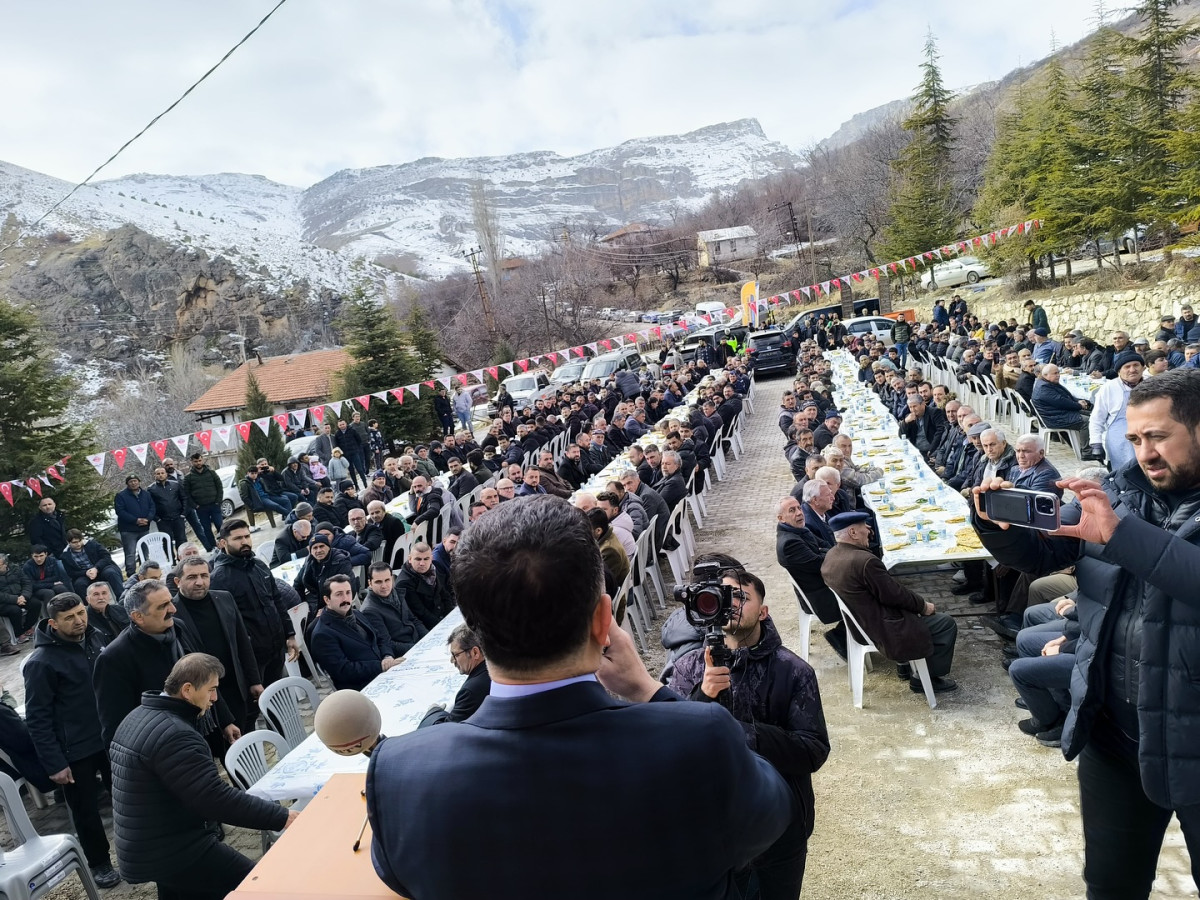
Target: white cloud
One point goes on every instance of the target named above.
(326, 86)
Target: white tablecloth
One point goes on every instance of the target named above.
(913, 506)
(1081, 387)
(403, 694)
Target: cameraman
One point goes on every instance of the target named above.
(773, 693)
(1134, 721)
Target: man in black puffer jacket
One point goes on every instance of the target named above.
(773, 694)
(1135, 714)
(168, 797)
(60, 710)
(323, 561)
(421, 588)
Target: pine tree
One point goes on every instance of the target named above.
(1105, 192)
(383, 360)
(1181, 191)
(270, 445)
(1157, 83)
(36, 432)
(922, 209)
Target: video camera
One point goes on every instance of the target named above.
(709, 605)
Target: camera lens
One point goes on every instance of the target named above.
(1044, 506)
(708, 602)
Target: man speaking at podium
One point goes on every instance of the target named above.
(567, 790)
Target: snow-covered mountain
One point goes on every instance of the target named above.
(413, 218)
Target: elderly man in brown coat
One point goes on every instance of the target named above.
(902, 624)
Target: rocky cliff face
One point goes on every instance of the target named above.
(126, 295)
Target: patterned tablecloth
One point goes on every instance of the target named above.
(921, 520)
(403, 694)
(1081, 386)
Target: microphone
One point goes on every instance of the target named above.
(348, 723)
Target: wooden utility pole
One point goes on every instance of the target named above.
(484, 300)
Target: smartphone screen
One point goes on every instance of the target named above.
(1006, 506)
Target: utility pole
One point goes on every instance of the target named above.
(484, 300)
(812, 259)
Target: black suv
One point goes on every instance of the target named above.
(770, 351)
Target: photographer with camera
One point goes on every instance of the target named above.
(771, 691)
(1134, 723)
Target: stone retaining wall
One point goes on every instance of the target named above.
(1097, 314)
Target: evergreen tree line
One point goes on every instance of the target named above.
(1105, 146)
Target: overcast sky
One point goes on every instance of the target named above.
(334, 84)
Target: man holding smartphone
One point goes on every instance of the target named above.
(1134, 721)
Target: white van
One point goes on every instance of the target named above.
(709, 308)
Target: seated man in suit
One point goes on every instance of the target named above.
(468, 659)
(342, 642)
(903, 625)
(542, 748)
(392, 526)
(818, 501)
(801, 553)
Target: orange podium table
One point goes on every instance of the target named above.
(315, 858)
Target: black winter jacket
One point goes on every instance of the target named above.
(397, 628)
(1139, 619)
(312, 574)
(776, 700)
(48, 575)
(48, 530)
(166, 791)
(429, 603)
(60, 705)
(169, 500)
(253, 587)
(347, 648)
(14, 583)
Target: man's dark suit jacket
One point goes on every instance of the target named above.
(936, 425)
(536, 774)
(672, 489)
(347, 648)
(468, 699)
(801, 554)
(818, 527)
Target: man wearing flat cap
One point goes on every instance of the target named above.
(824, 433)
(902, 624)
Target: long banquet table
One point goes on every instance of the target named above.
(403, 694)
(921, 519)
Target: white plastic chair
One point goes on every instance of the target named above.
(246, 763)
(648, 561)
(156, 545)
(39, 862)
(858, 645)
(280, 706)
(807, 617)
(299, 617)
(400, 551)
(38, 798)
(265, 551)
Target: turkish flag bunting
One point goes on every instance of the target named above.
(494, 371)
(160, 448)
(607, 345)
(524, 364)
(281, 419)
(53, 473)
(224, 434)
(656, 331)
(297, 417)
(414, 389)
(35, 486)
(139, 450)
(205, 439)
(6, 490)
(463, 379)
(929, 254)
(631, 337)
(264, 424)
(336, 406)
(428, 384)
(381, 396)
(364, 401)
(398, 393)
(317, 412)
(837, 282)
(243, 428)
(119, 456)
(856, 277)
(553, 356)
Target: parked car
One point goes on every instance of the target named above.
(567, 373)
(953, 272)
(299, 445)
(603, 366)
(651, 317)
(525, 389)
(232, 501)
(771, 351)
(631, 315)
(879, 326)
(1128, 242)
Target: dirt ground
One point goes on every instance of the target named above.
(953, 802)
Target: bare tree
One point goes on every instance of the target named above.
(488, 233)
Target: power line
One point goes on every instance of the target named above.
(148, 125)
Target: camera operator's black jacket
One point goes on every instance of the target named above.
(776, 699)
